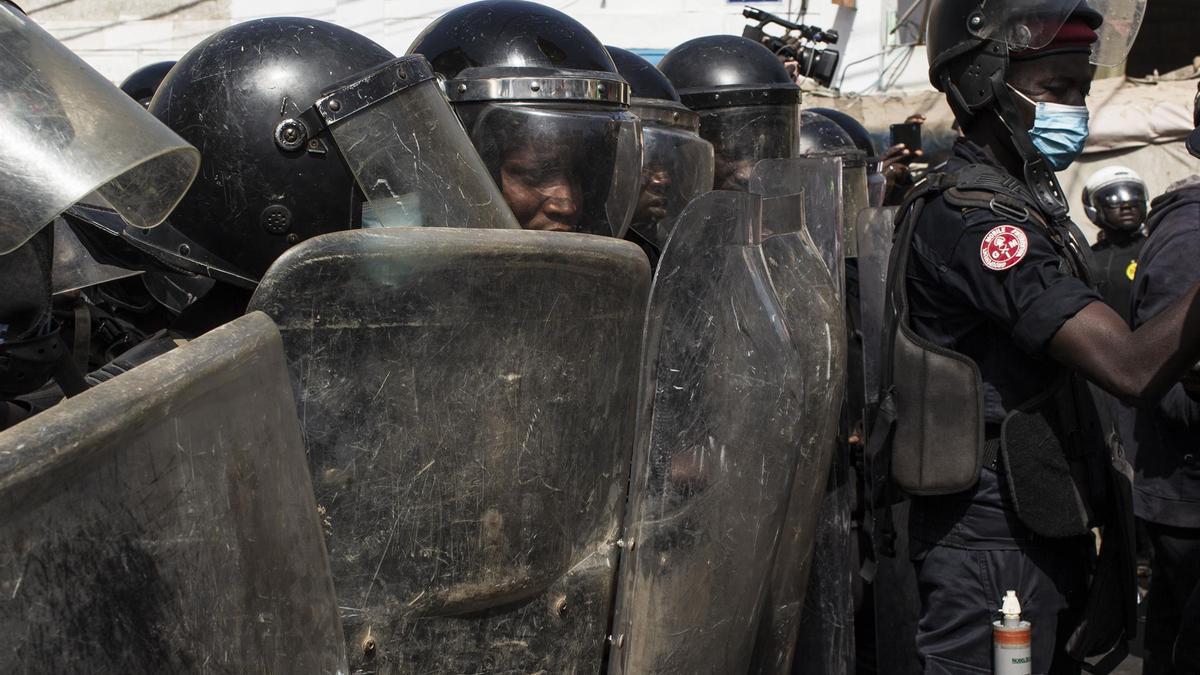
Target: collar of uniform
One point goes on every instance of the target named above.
(975, 153)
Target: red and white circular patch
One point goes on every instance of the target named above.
(1003, 246)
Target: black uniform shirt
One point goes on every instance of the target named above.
(1003, 319)
(1001, 316)
(1115, 262)
(1166, 437)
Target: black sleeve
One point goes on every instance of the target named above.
(1029, 300)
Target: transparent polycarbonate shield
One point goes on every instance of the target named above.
(743, 135)
(1033, 24)
(74, 267)
(68, 131)
(855, 198)
(569, 168)
(875, 231)
(814, 316)
(677, 166)
(163, 522)
(820, 180)
(409, 153)
(468, 401)
(721, 424)
(896, 600)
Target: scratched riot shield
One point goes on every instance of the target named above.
(826, 639)
(820, 180)
(468, 401)
(721, 425)
(814, 317)
(163, 522)
(894, 589)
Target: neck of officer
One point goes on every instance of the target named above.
(989, 133)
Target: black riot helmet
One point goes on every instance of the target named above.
(549, 115)
(143, 82)
(855, 130)
(749, 106)
(298, 121)
(232, 97)
(970, 44)
(677, 165)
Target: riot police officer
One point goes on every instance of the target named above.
(677, 165)
(1114, 198)
(749, 106)
(992, 318)
(542, 101)
(1166, 493)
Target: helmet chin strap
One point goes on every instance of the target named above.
(1038, 176)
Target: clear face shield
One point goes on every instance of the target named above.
(68, 132)
(744, 135)
(567, 169)
(1121, 206)
(408, 152)
(1032, 24)
(677, 165)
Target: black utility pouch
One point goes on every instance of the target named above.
(937, 427)
(1043, 488)
(937, 448)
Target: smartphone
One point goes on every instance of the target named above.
(908, 133)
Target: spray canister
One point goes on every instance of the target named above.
(1011, 640)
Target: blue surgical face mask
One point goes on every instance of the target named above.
(1059, 131)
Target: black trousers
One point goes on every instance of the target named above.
(1173, 604)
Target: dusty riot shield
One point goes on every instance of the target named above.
(75, 267)
(468, 401)
(721, 426)
(163, 522)
(820, 180)
(69, 131)
(893, 592)
(814, 317)
(826, 638)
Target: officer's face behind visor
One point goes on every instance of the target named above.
(560, 170)
(1122, 206)
(741, 136)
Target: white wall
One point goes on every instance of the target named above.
(118, 36)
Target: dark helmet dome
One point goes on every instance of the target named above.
(955, 27)
(645, 81)
(509, 33)
(853, 128)
(143, 82)
(725, 70)
(227, 96)
(820, 135)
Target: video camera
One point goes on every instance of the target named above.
(818, 64)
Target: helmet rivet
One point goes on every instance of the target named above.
(185, 250)
(293, 238)
(335, 105)
(535, 86)
(276, 219)
(291, 134)
(975, 21)
(462, 88)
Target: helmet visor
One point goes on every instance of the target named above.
(744, 135)
(677, 165)
(409, 154)
(1035, 24)
(567, 170)
(1118, 194)
(68, 131)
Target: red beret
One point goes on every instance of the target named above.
(1075, 35)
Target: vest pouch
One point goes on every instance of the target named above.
(937, 445)
(1040, 478)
